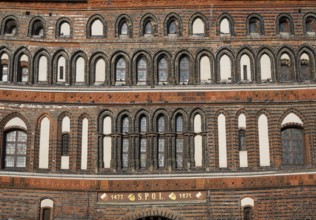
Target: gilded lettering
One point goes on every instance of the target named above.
(146, 196)
(139, 196)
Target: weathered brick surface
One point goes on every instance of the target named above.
(279, 192)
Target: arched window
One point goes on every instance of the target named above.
(37, 29)
(143, 124)
(264, 145)
(84, 143)
(42, 69)
(172, 27)
(205, 69)
(243, 154)
(64, 29)
(265, 68)
(123, 29)
(107, 141)
(247, 205)
(225, 69)
(198, 141)
(97, 28)
(10, 27)
(80, 70)
(222, 144)
(293, 146)
(179, 141)
(4, 67)
(15, 144)
(305, 67)
(125, 142)
(65, 142)
(162, 70)
(44, 141)
(61, 69)
(184, 70)
(198, 27)
(161, 128)
(284, 25)
(141, 70)
(254, 26)
(143, 143)
(225, 28)
(245, 68)
(179, 124)
(23, 69)
(120, 71)
(286, 74)
(47, 206)
(148, 28)
(99, 71)
(310, 25)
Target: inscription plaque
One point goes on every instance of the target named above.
(152, 197)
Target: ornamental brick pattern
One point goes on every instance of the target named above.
(277, 191)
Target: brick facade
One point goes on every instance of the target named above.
(277, 191)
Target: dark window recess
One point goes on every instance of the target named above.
(310, 24)
(245, 72)
(254, 26)
(65, 145)
(242, 139)
(305, 71)
(10, 27)
(293, 146)
(284, 25)
(172, 29)
(46, 214)
(163, 70)
(61, 72)
(285, 71)
(248, 213)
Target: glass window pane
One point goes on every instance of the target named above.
(15, 149)
(10, 148)
(141, 70)
(22, 136)
(161, 152)
(120, 70)
(148, 28)
(25, 74)
(184, 70)
(11, 136)
(20, 161)
(9, 161)
(161, 124)
(143, 124)
(125, 146)
(163, 70)
(179, 152)
(172, 29)
(143, 149)
(293, 146)
(125, 125)
(21, 148)
(179, 124)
